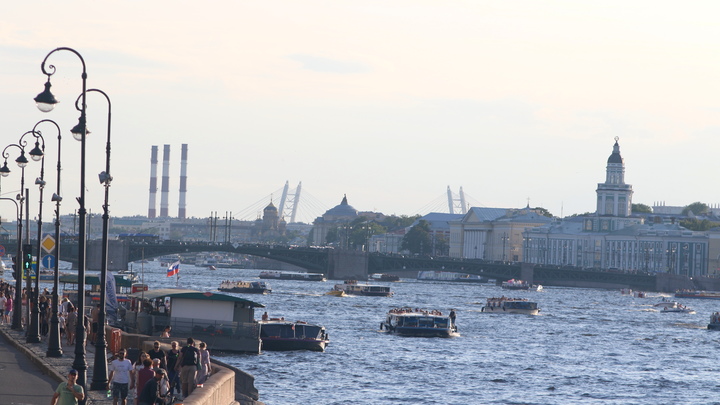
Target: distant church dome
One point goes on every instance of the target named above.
(344, 210)
(270, 207)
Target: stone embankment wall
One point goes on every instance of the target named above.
(227, 385)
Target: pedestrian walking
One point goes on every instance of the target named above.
(187, 365)
(122, 377)
(68, 392)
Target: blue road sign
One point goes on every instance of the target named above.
(48, 261)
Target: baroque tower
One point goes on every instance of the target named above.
(614, 197)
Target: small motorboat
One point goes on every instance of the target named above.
(714, 321)
(678, 308)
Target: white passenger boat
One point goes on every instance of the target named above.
(352, 287)
(419, 322)
(505, 305)
(520, 285)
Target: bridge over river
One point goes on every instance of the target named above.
(341, 264)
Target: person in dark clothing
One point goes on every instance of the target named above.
(158, 353)
(150, 392)
(173, 376)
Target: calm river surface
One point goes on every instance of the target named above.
(587, 346)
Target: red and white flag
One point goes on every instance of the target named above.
(173, 269)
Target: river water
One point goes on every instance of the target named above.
(587, 346)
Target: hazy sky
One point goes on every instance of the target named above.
(388, 102)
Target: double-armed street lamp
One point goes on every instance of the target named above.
(19, 256)
(46, 102)
(37, 154)
(54, 344)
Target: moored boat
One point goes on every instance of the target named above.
(505, 305)
(430, 275)
(248, 287)
(419, 322)
(520, 285)
(714, 321)
(290, 275)
(708, 295)
(352, 287)
(279, 334)
(385, 277)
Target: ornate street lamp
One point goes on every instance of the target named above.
(100, 374)
(37, 154)
(54, 344)
(5, 171)
(46, 102)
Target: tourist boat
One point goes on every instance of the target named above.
(418, 322)
(279, 334)
(430, 275)
(249, 287)
(385, 277)
(678, 308)
(626, 291)
(709, 295)
(504, 305)
(290, 275)
(520, 285)
(352, 287)
(714, 321)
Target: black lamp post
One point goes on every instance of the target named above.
(5, 171)
(37, 154)
(46, 102)
(54, 344)
(100, 374)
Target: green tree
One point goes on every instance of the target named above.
(641, 209)
(332, 235)
(543, 211)
(417, 240)
(394, 223)
(696, 208)
(694, 224)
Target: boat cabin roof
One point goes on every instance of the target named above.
(120, 281)
(192, 294)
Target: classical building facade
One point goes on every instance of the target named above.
(493, 233)
(614, 239)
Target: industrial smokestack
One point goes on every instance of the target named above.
(152, 212)
(183, 181)
(164, 192)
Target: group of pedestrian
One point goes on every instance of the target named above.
(157, 375)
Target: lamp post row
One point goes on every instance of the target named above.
(46, 102)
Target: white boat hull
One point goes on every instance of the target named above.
(501, 310)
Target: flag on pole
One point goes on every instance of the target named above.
(173, 269)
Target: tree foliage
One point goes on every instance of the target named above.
(696, 208)
(695, 224)
(641, 209)
(543, 211)
(418, 240)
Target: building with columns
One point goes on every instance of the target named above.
(613, 238)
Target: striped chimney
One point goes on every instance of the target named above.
(164, 192)
(152, 211)
(183, 181)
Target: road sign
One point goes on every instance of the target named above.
(2, 250)
(48, 261)
(48, 243)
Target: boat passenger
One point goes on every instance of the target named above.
(265, 316)
(452, 316)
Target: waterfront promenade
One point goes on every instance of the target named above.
(30, 377)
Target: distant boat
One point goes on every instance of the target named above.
(212, 268)
(279, 334)
(290, 275)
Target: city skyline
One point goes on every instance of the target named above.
(388, 104)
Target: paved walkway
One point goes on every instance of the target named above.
(28, 376)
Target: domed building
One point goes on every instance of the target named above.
(339, 216)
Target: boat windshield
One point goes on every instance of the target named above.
(290, 330)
